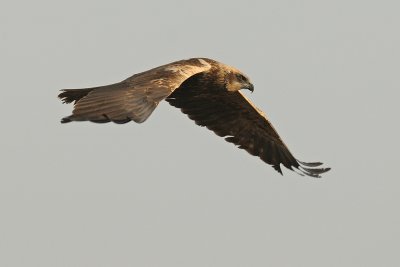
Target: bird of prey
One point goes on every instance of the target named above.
(207, 91)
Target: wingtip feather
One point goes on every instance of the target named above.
(65, 120)
(308, 168)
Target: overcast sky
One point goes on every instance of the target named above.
(170, 193)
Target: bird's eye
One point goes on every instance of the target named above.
(241, 77)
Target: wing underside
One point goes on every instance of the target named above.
(234, 117)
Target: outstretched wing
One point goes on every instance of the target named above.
(233, 116)
(132, 99)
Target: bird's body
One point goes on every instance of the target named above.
(204, 89)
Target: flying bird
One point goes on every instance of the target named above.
(207, 91)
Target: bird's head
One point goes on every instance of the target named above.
(236, 80)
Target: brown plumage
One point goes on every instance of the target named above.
(204, 89)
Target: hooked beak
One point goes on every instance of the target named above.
(250, 87)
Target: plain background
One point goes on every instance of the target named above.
(169, 193)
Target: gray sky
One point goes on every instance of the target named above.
(170, 193)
